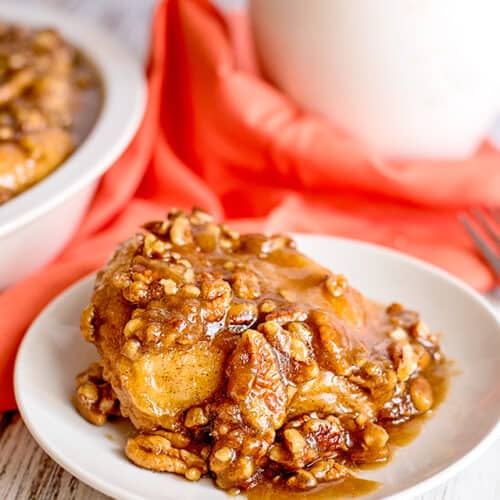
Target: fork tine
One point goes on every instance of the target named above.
(486, 224)
(480, 242)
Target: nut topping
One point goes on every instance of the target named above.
(238, 358)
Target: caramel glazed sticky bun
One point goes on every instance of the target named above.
(238, 358)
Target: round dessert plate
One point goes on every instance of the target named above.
(465, 424)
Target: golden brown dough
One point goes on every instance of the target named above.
(240, 357)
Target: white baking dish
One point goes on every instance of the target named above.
(35, 225)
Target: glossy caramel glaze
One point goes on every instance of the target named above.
(240, 358)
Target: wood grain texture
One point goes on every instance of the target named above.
(26, 472)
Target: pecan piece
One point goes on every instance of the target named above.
(94, 398)
(334, 340)
(237, 456)
(294, 342)
(242, 316)
(254, 382)
(287, 314)
(306, 439)
(157, 452)
(331, 395)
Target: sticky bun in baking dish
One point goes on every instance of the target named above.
(50, 96)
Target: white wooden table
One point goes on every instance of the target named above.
(26, 472)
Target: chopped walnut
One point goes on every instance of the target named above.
(198, 217)
(334, 340)
(329, 470)
(277, 242)
(377, 376)
(180, 230)
(236, 457)
(421, 394)
(402, 317)
(195, 417)
(336, 285)
(407, 362)
(207, 239)
(424, 357)
(94, 398)
(246, 285)
(87, 327)
(375, 436)
(131, 349)
(154, 247)
(331, 395)
(159, 228)
(189, 291)
(169, 286)
(267, 306)
(302, 480)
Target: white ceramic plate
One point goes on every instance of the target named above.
(53, 352)
(45, 216)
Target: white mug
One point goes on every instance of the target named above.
(409, 78)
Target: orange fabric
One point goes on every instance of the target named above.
(216, 135)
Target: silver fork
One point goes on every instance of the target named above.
(489, 220)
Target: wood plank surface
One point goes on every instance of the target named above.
(27, 472)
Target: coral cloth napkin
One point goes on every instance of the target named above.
(216, 135)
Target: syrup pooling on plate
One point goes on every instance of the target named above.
(348, 487)
(235, 356)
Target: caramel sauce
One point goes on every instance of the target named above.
(86, 102)
(400, 435)
(349, 487)
(404, 433)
